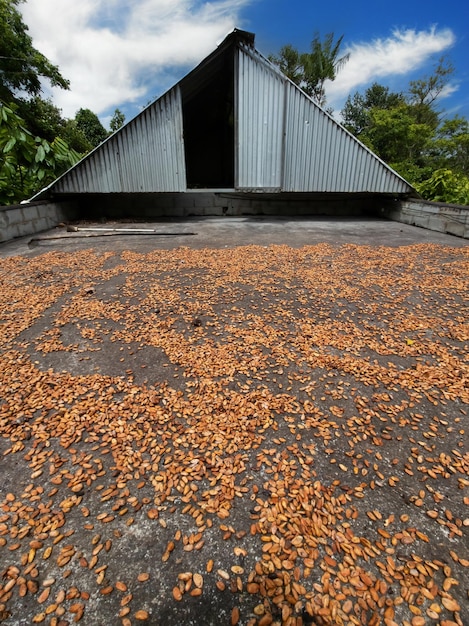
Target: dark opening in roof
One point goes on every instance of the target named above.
(208, 121)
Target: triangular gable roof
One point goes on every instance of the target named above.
(233, 123)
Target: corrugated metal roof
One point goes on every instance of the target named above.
(286, 141)
(260, 120)
(320, 155)
(146, 155)
(283, 141)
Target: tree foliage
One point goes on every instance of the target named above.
(450, 147)
(311, 70)
(357, 111)
(89, 124)
(408, 131)
(32, 150)
(36, 142)
(445, 185)
(41, 117)
(22, 66)
(289, 62)
(425, 91)
(28, 163)
(321, 64)
(117, 120)
(396, 135)
(75, 137)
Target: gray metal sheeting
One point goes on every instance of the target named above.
(146, 155)
(287, 142)
(322, 156)
(261, 107)
(283, 142)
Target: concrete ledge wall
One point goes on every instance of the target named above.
(27, 219)
(19, 220)
(444, 218)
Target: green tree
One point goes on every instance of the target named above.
(451, 146)
(389, 124)
(28, 163)
(89, 124)
(444, 185)
(289, 62)
(424, 92)
(75, 137)
(311, 70)
(117, 120)
(22, 66)
(321, 64)
(33, 151)
(396, 135)
(420, 98)
(42, 117)
(407, 131)
(356, 114)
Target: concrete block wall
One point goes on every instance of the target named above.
(179, 205)
(28, 219)
(19, 220)
(444, 218)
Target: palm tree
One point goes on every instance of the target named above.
(310, 70)
(321, 64)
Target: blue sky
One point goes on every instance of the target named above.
(124, 53)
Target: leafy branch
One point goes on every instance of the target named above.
(28, 163)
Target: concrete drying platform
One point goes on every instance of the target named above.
(233, 231)
(261, 423)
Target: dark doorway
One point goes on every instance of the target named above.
(208, 117)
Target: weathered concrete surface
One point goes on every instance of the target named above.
(297, 415)
(233, 231)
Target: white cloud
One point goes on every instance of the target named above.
(449, 90)
(115, 51)
(404, 52)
